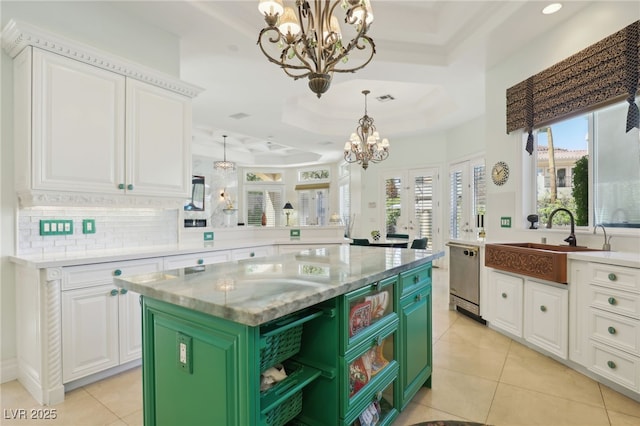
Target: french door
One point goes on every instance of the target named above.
(410, 201)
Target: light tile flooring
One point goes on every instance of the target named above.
(479, 375)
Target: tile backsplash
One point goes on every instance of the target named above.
(114, 228)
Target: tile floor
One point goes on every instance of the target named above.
(479, 375)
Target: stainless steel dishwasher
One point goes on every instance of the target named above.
(464, 279)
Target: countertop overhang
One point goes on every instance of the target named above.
(256, 291)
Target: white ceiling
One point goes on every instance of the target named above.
(431, 58)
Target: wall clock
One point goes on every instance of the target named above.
(500, 173)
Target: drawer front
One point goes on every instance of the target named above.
(415, 278)
(616, 301)
(249, 253)
(615, 365)
(368, 309)
(377, 408)
(103, 273)
(366, 365)
(616, 277)
(618, 331)
(199, 259)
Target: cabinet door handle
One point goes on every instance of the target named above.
(377, 341)
(121, 186)
(114, 292)
(504, 295)
(123, 291)
(416, 279)
(612, 277)
(200, 261)
(130, 187)
(418, 297)
(117, 272)
(611, 364)
(612, 301)
(543, 308)
(611, 330)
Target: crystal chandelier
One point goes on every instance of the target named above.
(224, 165)
(309, 41)
(365, 145)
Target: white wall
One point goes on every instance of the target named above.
(100, 25)
(582, 30)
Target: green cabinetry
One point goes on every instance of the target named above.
(356, 357)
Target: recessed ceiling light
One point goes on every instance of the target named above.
(552, 8)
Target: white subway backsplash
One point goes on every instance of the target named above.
(115, 228)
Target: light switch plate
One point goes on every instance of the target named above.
(56, 227)
(294, 234)
(88, 226)
(208, 236)
(505, 222)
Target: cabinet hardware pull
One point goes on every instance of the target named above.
(130, 187)
(200, 261)
(612, 301)
(504, 295)
(611, 330)
(611, 364)
(252, 254)
(377, 341)
(117, 272)
(416, 279)
(543, 308)
(418, 297)
(375, 285)
(114, 292)
(377, 396)
(121, 186)
(123, 291)
(612, 277)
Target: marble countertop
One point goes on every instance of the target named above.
(255, 291)
(120, 254)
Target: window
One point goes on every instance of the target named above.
(316, 175)
(255, 176)
(467, 197)
(589, 160)
(313, 206)
(267, 200)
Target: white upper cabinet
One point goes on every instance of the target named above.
(94, 129)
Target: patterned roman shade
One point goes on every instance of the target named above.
(607, 71)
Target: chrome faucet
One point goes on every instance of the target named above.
(606, 246)
(571, 239)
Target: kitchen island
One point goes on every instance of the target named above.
(350, 325)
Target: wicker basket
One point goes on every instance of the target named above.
(280, 347)
(286, 411)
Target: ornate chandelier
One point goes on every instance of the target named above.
(224, 165)
(365, 145)
(309, 40)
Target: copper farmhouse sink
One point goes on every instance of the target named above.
(544, 261)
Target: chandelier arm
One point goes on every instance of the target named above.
(282, 62)
(347, 50)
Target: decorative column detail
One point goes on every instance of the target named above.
(52, 333)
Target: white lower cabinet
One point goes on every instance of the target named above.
(546, 317)
(505, 293)
(101, 323)
(534, 310)
(249, 253)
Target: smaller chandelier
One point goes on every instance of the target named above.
(365, 145)
(224, 165)
(309, 42)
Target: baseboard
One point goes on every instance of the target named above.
(8, 370)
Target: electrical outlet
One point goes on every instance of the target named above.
(56, 227)
(88, 226)
(184, 353)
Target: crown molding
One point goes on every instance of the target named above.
(17, 35)
(29, 198)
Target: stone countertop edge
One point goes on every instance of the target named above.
(608, 257)
(285, 293)
(121, 254)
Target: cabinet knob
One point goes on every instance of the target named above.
(252, 254)
(612, 277)
(200, 261)
(114, 292)
(504, 295)
(543, 308)
(611, 330)
(377, 341)
(123, 291)
(611, 364)
(121, 186)
(130, 187)
(612, 301)
(416, 278)
(418, 297)
(117, 272)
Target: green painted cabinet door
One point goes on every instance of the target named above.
(195, 372)
(416, 352)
